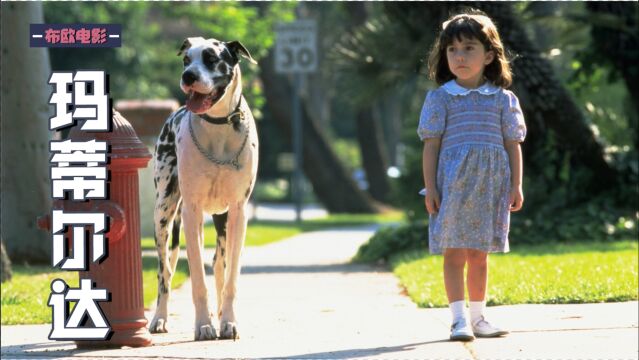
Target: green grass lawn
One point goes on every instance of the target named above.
(25, 296)
(265, 232)
(547, 274)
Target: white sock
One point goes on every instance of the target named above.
(458, 309)
(476, 310)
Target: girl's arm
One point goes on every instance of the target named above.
(429, 166)
(516, 172)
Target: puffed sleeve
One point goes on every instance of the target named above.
(513, 126)
(432, 119)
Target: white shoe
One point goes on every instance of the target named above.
(482, 328)
(460, 331)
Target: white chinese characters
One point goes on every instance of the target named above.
(86, 297)
(88, 99)
(80, 220)
(86, 182)
(79, 173)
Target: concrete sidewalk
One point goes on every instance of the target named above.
(300, 299)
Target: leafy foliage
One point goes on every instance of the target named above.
(614, 31)
(145, 66)
(375, 51)
(135, 69)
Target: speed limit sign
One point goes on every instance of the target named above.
(296, 47)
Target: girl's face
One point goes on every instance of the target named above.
(466, 60)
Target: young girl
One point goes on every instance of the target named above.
(471, 127)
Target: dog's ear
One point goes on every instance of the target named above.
(236, 47)
(188, 42)
(185, 46)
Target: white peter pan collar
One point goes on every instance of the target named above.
(453, 88)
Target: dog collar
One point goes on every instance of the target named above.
(229, 119)
(234, 162)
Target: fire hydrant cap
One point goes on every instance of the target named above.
(126, 148)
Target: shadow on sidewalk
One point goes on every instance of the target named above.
(291, 269)
(40, 350)
(305, 269)
(360, 353)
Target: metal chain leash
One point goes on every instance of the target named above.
(233, 162)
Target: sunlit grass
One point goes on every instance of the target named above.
(266, 232)
(548, 274)
(24, 297)
(150, 277)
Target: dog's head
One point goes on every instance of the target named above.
(209, 67)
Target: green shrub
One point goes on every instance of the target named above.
(275, 190)
(391, 240)
(593, 221)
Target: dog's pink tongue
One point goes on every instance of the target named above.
(198, 103)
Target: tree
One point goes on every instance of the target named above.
(615, 35)
(374, 159)
(331, 182)
(369, 131)
(5, 264)
(25, 136)
(547, 103)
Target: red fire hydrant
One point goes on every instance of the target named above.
(121, 272)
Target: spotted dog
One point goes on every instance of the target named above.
(205, 163)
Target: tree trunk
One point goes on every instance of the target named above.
(5, 264)
(374, 159)
(369, 131)
(25, 135)
(331, 182)
(546, 101)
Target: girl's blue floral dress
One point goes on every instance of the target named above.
(473, 171)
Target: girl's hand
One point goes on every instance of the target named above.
(432, 201)
(516, 198)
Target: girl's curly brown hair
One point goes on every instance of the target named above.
(470, 25)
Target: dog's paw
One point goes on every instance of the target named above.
(205, 332)
(158, 325)
(228, 330)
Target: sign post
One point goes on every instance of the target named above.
(296, 53)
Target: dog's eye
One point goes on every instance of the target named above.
(186, 61)
(211, 59)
